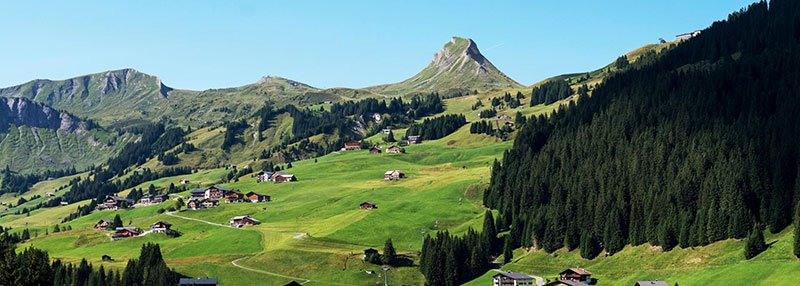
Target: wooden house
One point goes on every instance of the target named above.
(374, 150)
(264, 177)
(194, 204)
(198, 194)
(281, 177)
(160, 226)
(234, 196)
(146, 199)
(198, 282)
(125, 232)
(576, 274)
(352, 145)
(386, 131)
(292, 283)
(256, 197)
(184, 181)
(115, 203)
(393, 175)
(239, 221)
(216, 192)
(414, 139)
(651, 283)
(106, 258)
(103, 224)
(157, 199)
(512, 279)
(367, 206)
(49, 194)
(393, 149)
(565, 283)
(210, 203)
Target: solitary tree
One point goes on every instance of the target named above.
(389, 254)
(117, 222)
(755, 243)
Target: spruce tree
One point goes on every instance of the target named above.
(508, 250)
(797, 230)
(755, 243)
(117, 222)
(389, 254)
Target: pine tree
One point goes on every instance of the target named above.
(755, 243)
(389, 254)
(489, 233)
(508, 250)
(797, 230)
(117, 222)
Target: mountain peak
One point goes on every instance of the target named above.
(459, 65)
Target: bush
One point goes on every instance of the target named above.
(161, 211)
(171, 208)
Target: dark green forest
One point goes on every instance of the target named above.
(698, 146)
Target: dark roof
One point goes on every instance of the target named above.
(568, 282)
(220, 188)
(370, 250)
(254, 193)
(163, 222)
(162, 195)
(577, 270)
(197, 191)
(120, 198)
(197, 281)
(292, 283)
(513, 275)
(652, 283)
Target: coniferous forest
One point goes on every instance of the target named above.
(698, 146)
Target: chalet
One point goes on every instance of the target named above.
(125, 232)
(160, 226)
(512, 279)
(63, 203)
(49, 194)
(103, 224)
(115, 203)
(264, 177)
(210, 203)
(565, 283)
(374, 150)
(198, 282)
(157, 199)
(146, 199)
(216, 192)
(651, 283)
(686, 36)
(194, 204)
(370, 252)
(414, 139)
(239, 221)
(281, 177)
(184, 181)
(352, 145)
(576, 274)
(292, 283)
(502, 117)
(107, 258)
(198, 194)
(393, 149)
(394, 175)
(256, 197)
(386, 131)
(234, 196)
(368, 206)
(232, 166)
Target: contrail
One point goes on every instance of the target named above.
(493, 47)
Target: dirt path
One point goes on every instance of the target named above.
(267, 272)
(199, 220)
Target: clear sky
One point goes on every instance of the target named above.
(214, 44)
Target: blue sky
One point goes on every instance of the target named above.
(214, 44)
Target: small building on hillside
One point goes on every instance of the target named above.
(576, 274)
(194, 204)
(375, 150)
(125, 232)
(210, 203)
(63, 203)
(105, 257)
(49, 194)
(292, 283)
(686, 36)
(651, 283)
(216, 192)
(198, 194)
(198, 282)
(239, 221)
(264, 177)
(367, 206)
(352, 145)
(256, 197)
(509, 124)
(393, 175)
(512, 279)
(281, 177)
(184, 181)
(145, 199)
(386, 131)
(565, 283)
(157, 199)
(414, 139)
(115, 203)
(234, 196)
(370, 252)
(160, 226)
(393, 149)
(103, 224)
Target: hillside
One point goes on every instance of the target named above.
(458, 66)
(36, 137)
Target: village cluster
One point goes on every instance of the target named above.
(571, 277)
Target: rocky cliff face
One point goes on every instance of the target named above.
(20, 111)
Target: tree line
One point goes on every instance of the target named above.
(550, 92)
(699, 145)
(437, 127)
